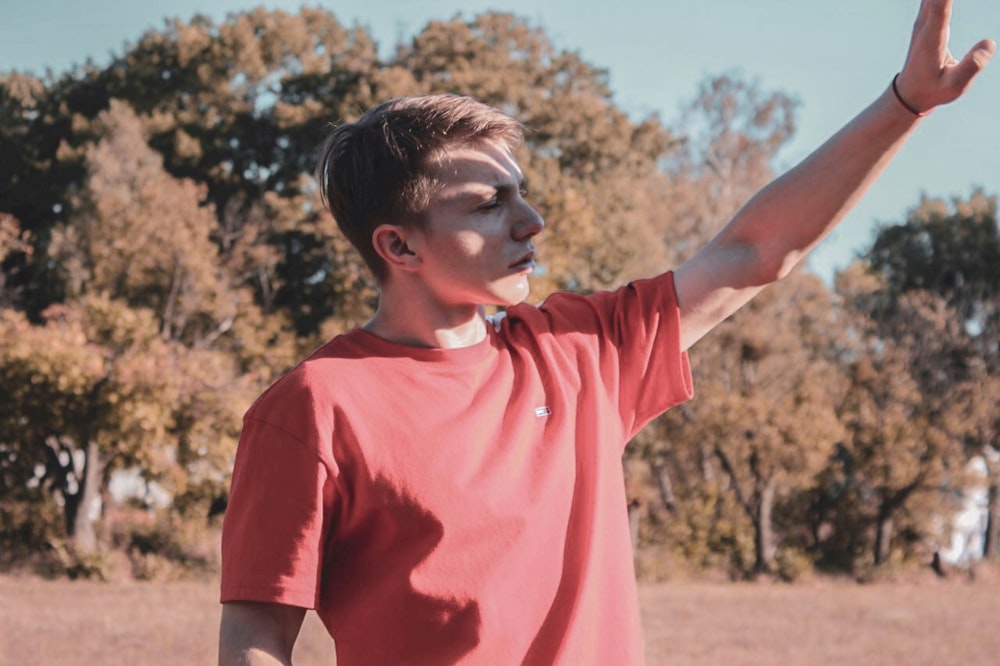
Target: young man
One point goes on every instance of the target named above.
(442, 490)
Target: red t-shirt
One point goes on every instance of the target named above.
(460, 506)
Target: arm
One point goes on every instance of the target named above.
(789, 217)
(258, 634)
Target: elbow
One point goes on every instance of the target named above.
(771, 267)
(787, 264)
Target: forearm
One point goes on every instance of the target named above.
(240, 655)
(258, 634)
(785, 220)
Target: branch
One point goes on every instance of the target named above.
(219, 331)
(166, 330)
(740, 495)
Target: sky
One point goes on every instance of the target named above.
(834, 58)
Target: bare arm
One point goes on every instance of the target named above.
(258, 634)
(789, 217)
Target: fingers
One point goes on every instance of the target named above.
(983, 52)
(935, 15)
(974, 61)
(929, 42)
(940, 12)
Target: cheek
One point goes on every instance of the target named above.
(469, 244)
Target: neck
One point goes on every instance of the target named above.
(407, 319)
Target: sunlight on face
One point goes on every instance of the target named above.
(477, 245)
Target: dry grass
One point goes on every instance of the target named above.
(923, 621)
(916, 623)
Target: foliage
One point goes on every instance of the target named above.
(906, 429)
(946, 255)
(163, 545)
(765, 421)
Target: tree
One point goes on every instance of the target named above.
(768, 393)
(38, 139)
(952, 252)
(731, 133)
(902, 423)
(728, 139)
(12, 240)
(155, 341)
(241, 106)
(72, 407)
(142, 236)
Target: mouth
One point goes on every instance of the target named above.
(525, 262)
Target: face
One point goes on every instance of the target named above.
(476, 246)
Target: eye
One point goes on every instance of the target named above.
(491, 204)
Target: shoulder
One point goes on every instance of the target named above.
(312, 383)
(597, 311)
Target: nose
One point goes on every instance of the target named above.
(529, 223)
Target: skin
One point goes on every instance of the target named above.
(258, 634)
(481, 227)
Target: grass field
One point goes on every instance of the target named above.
(923, 621)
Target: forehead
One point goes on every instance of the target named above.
(476, 165)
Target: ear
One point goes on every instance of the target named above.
(390, 241)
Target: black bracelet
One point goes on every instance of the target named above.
(895, 91)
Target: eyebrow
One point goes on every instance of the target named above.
(506, 186)
(477, 190)
(522, 185)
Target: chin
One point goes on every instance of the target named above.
(512, 296)
(507, 293)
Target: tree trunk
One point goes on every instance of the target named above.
(634, 518)
(991, 535)
(705, 460)
(766, 544)
(883, 535)
(634, 504)
(79, 518)
(991, 538)
(666, 487)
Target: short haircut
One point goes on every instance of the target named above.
(378, 170)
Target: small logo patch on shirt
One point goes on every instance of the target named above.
(542, 411)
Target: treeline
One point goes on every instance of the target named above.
(165, 257)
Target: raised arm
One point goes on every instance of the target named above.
(789, 217)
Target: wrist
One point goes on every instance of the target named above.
(906, 104)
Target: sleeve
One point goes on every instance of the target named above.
(634, 332)
(277, 519)
(645, 329)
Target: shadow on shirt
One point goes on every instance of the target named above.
(369, 601)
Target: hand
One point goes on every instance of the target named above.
(931, 75)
